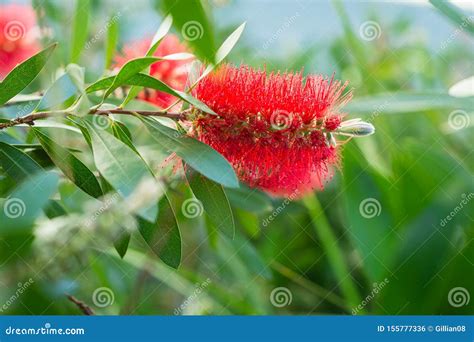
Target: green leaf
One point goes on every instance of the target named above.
(147, 81)
(249, 199)
(399, 103)
(190, 18)
(130, 69)
(122, 241)
(461, 20)
(111, 41)
(17, 164)
(199, 156)
(23, 74)
(163, 236)
(159, 35)
(369, 216)
(122, 133)
(61, 90)
(80, 28)
(120, 165)
(25, 203)
(214, 201)
(72, 167)
(224, 50)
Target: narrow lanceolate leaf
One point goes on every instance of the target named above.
(462, 20)
(190, 18)
(147, 81)
(224, 49)
(199, 156)
(130, 69)
(122, 133)
(214, 201)
(122, 241)
(120, 165)
(163, 236)
(21, 208)
(111, 41)
(159, 35)
(61, 90)
(248, 199)
(80, 28)
(402, 102)
(72, 167)
(23, 74)
(17, 164)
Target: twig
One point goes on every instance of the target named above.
(31, 118)
(86, 310)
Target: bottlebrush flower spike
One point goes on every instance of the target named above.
(277, 130)
(18, 33)
(173, 72)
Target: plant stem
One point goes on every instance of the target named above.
(31, 118)
(333, 251)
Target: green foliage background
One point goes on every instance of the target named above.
(324, 251)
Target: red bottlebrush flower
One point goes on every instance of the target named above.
(273, 128)
(17, 36)
(173, 73)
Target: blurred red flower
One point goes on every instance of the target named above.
(17, 36)
(272, 127)
(173, 73)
